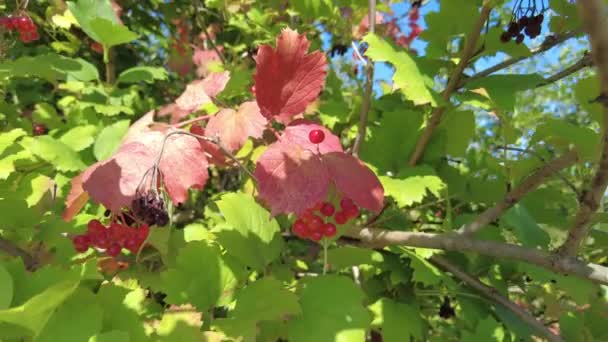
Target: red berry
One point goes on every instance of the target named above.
(316, 236)
(197, 129)
(317, 207)
(307, 216)
(81, 243)
(414, 14)
(300, 229)
(143, 232)
(519, 39)
(438, 213)
(329, 230)
(101, 240)
(327, 209)
(95, 227)
(346, 203)
(352, 212)
(132, 244)
(252, 90)
(316, 136)
(39, 129)
(316, 223)
(113, 250)
(95, 46)
(7, 23)
(505, 37)
(341, 217)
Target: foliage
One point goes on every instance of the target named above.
(223, 133)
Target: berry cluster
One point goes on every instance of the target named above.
(150, 208)
(39, 129)
(393, 30)
(112, 239)
(28, 31)
(531, 26)
(315, 223)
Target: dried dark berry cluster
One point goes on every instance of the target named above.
(150, 208)
(530, 26)
(28, 31)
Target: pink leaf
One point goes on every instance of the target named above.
(177, 114)
(234, 127)
(297, 132)
(288, 79)
(77, 198)
(355, 180)
(201, 92)
(290, 178)
(204, 58)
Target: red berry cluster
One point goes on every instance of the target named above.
(315, 223)
(28, 31)
(39, 129)
(531, 26)
(112, 239)
(393, 30)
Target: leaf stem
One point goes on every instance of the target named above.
(325, 247)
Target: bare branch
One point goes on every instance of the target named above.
(526, 186)
(493, 294)
(467, 53)
(13, 250)
(549, 43)
(581, 64)
(367, 96)
(378, 238)
(593, 17)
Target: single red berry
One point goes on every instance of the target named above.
(7, 23)
(341, 217)
(101, 240)
(414, 14)
(316, 236)
(316, 223)
(81, 243)
(143, 232)
(352, 212)
(316, 136)
(505, 37)
(132, 244)
(307, 216)
(327, 209)
(317, 207)
(438, 214)
(300, 229)
(346, 203)
(252, 90)
(113, 250)
(95, 227)
(519, 39)
(96, 47)
(39, 129)
(329, 230)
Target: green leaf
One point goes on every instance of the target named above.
(187, 283)
(313, 9)
(416, 86)
(526, 229)
(411, 185)
(8, 138)
(142, 74)
(347, 256)
(251, 235)
(447, 23)
(6, 288)
(397, 321)
(109, 139)
(265, 300)
(502, 89)
(51, 67)
(35, 313)
(395, 136)
(111, 34)
(179, 326)
(332, 310)
(111, 336)
(424, 272)
(586, 91)
(459, 129)
(77, 319)
(580, 290)
(119, 314)
(85, 11)
(55, 152)
(487, 330)
(79, 137)
(571, 326)
(565, 135)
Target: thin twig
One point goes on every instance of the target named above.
(493, 294)
(467, 52)
(16, 251)
(208, 37)
(526, 186)
(367, 96)
(549, 43)
(581, 64)
(593, 18)
(191, 121)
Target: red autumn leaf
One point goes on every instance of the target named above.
(201, 92)
(364, 25)
(204, 58)
(297, 132)
(77, 198)
(177, 114)
(214, 154)
(234, 127)
(355, 180)
(290, 178)
(287, 79)
(113, 182)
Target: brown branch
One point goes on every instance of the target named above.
(581, 64)
(367, 96)
(467, 53)
(594, 23)
(526, 186)
(377, 238)
(110, 66)
(13, 250)
(493, 294)
(203, 25)
(549, 43)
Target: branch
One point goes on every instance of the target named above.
(493, 294)
(378, 238)
(526, 186)
(549, 43)
(581, 64)
(594, 23)
(203, 25)
(367, 97)
(467, 53)
(110, 65)
(13, 250)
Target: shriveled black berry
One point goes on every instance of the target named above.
(505, 37)
(519, 39)
(150, 208)
(523, 21)
(446, 310)
(514, 29)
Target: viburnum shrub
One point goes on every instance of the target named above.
(303, 170)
